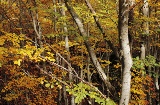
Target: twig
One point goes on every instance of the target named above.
(82, 80)
(51, 75)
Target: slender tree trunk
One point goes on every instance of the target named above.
(156, 69)
(125, 49)
(115, 51)
(67, 49)
(142, 57)
(89, 48)
(130, 23)
(157, 86)
(145, 11)
(38, 31)
(37, 27)
(146, 14)
(143, 51)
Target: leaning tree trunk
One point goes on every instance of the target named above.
(89, 48)
(110, 44)
(125, 51)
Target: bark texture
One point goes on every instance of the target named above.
(89, 48)
(125, 49)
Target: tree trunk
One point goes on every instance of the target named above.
(130, 23)
(90, 48)
(67, 49)
(146, 14)
(125, 49)
(142, 51)
(145, 11)
(113, 48)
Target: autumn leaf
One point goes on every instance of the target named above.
(42, 82)
(117, 66)
(2, 41)
(18, 62)
(0, 64)
(47, 85)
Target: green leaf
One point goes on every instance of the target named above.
(42, 82)
(52, 86)
(110, 102)
(47, 85)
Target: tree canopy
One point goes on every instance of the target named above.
(74, 52)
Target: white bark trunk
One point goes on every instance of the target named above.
(126, 56)
(146, 14)
(142, 51)
(126, 81)
(157, 84)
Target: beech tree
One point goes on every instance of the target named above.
(98, 52)
(125, 51)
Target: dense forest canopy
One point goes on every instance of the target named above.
(75, 52)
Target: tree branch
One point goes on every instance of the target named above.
(115, 51)
(89, 48)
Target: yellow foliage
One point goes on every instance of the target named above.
(138, 90)
(18, 62)
(11, 96)
(2, 41)
(117, 66)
